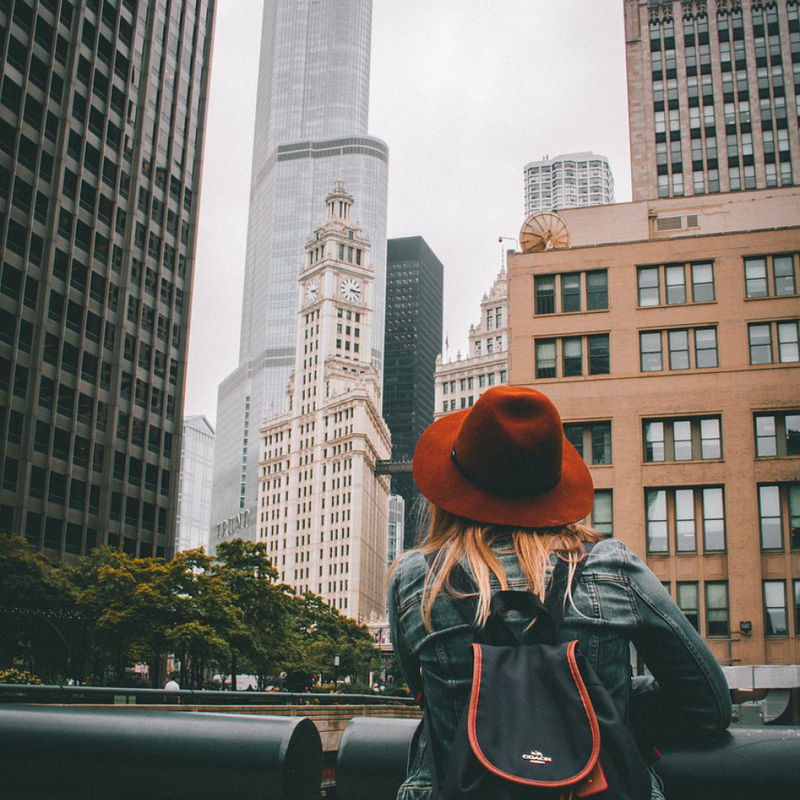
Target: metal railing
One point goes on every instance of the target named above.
(32, 693)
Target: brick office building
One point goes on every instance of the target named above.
(666, 332)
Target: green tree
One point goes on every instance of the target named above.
(130, 605)
(264, 642)
(38, 621)
(324, 633)
(208, 619)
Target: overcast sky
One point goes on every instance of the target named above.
(465, 93)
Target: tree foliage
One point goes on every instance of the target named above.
(226, 614)
(37, 622)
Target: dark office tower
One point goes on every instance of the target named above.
(102, 112)
(413, 341)
(713, 91)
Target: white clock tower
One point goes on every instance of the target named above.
(321, 508)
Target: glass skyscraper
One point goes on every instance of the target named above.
(102, 112)
(311, 129)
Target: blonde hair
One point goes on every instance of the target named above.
(455, 539)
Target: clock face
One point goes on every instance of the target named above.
(350, 290)
(312, 290)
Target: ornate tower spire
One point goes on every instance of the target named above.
(339, 203)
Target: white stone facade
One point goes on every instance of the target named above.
(321, 508)
(460, 382)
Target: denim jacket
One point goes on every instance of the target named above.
(617, 601)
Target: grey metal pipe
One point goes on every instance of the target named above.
(373, 757)
(743, 764)
(89, 754)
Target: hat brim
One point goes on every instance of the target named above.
(445, 486)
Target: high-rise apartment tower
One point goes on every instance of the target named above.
(569, 181)
(101, 134)
(712, 95)
(311, 129)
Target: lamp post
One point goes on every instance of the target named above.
(335, 670)
(503, 249)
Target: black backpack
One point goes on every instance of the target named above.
(538, 724)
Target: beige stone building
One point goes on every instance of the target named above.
(461, 381)
(666, 332)
(321, 508)
(713, 95)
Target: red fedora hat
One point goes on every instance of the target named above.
(505, 461)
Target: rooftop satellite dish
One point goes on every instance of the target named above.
(544, 230)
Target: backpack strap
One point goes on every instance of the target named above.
(549, 614)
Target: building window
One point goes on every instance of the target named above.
(599, 354)
(692, 439)
(572, 353)
(678, 342)
(673, 278)
(767, 276)
(705, 344)
(761, 336)
(601, 517)
(545, 290)
(675, 284)
(573, 358)
(546, 358)
(717, 618)
(688, 599)
(651, 348)
(683, 515)
(778, 434)
(703, 283)
(571, 292)
(597, 290)
(779, 511)
(797, 607)
(775, 617)
(649, 290)
(592, 440)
